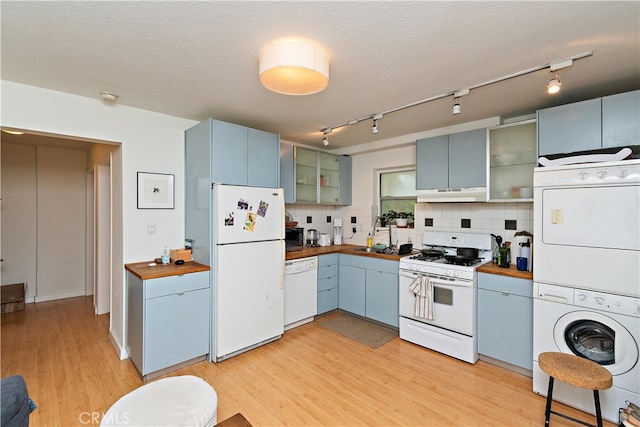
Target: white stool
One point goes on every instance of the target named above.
(175, 401)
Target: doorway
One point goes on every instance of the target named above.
(56, 197)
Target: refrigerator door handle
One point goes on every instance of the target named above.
(282, 265)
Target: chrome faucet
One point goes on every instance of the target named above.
(375, 221)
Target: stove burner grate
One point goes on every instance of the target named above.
(461, 260)
(425, 258)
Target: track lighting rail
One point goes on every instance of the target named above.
(553, 66)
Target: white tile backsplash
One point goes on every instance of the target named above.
(485, 218)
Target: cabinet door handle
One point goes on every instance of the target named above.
(180, 294)
(505, 294)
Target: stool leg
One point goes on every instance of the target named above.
(596, 400)
(547, 411)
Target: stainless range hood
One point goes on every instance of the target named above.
(448, 195)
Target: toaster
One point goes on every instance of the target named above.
(324, 240)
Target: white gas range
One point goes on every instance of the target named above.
(438, 293)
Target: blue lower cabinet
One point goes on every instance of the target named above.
(327, 283)
(382, 297)
(369, 287)
(505, 319)
(351, 295)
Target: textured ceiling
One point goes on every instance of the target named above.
(200, 59)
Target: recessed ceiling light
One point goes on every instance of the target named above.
(108, 96)
(13, 132)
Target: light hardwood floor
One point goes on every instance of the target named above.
(310, 377)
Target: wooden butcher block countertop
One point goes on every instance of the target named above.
(145, 272)
(512, 271)
(342, 249)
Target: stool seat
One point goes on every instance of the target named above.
(575, 370)
(578, 372)
(175, 401)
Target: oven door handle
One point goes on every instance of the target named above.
(438, 280)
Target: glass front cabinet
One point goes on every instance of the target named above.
(310, 176)
(512, 158)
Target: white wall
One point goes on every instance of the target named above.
(61, 213)
(151, 142)
(19, 216)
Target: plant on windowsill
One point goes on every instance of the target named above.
(400, 218)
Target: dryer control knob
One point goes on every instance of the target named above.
(583, 175)
(582, 297)
(601, 174)
(622, 174)
(599, 300)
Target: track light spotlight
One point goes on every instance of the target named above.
(457, 108)
(325, 140)
(374, 128)
(553, 82)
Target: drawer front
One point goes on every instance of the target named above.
(506, 284)
(370, 263)
(327, 270)
(327, 300)
(327, 259)
(327, 283)
(175, 284)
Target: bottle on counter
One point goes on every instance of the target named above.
(369, 241)
(165, 255)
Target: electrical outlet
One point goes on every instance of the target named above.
(354, 230)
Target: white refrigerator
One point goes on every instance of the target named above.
(248, 268)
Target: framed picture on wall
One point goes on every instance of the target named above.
(155, 191)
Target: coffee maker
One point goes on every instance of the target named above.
(337, 231)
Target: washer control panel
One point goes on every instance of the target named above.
(607, 302)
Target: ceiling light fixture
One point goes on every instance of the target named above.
(108, 97)
(553, 83)
(325, 139)
(374, 128)
(553, 66)
(294, 68)
(553, 79)
(457, 108)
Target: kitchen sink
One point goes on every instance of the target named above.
(375, 251)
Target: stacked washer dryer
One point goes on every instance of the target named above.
(586, 275)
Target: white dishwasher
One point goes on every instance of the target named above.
(300, 291)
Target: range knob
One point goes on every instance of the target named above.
(456, 273)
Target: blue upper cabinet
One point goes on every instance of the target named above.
(229, 149)
(612, 121)
(621, 120)
(238, 155)
(570, 128)
(432, 163)
(458, 160)
(263, 154)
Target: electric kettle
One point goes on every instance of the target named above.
(312, 237)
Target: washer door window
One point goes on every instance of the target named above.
(597, 337)
(592, 340)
